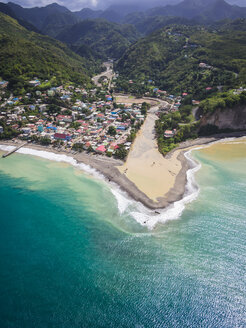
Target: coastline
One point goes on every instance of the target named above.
(108, 168)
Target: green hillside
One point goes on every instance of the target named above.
(6, 9)
(148, 24)
(37, 15)
(55, 23)
(171, 57)
(203, 10)
(25, 55)
(104, 38)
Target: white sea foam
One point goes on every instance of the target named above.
(55, 157)
(6, 148)
(126, 205)
(122, 198)
(150, 218)
(172, 212)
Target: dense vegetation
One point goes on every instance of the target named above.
(5, 9)
(25, 55)
(148, 24)
(54, 24)
(171, 57)
(8, 131)
(52, 18)
(185, 125)
(37, 15)
(222, 101)
(182, 121)
(209, 10)
(105, 39)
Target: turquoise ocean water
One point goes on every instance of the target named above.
(69, 258)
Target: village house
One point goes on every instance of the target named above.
(3, 84)
(101, 149)
(204, 65)
(62, 136)
(169, 133)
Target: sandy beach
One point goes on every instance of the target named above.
(155, 186)
(152, 173)
(128, 99)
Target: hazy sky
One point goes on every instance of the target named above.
(79, 4)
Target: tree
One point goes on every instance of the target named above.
(53, 109)
(90, 149)
(78, 147)
(121, 152)
(45, 141)
(112, 130)
(187, 100)
(75, 125)
(131, 136)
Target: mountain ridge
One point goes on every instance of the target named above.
(106, 39)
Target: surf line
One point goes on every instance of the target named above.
(126, 205)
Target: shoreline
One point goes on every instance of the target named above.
(108, 168)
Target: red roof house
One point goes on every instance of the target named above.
(101, 149)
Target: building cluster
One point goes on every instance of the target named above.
(98, 125)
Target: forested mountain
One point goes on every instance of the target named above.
(146, 17)
(87, 13)
(209, 10)
(148, 24)
(172, 57)
(25, 55)
(97, 38)
(104, 38)
(55, 23)
(37, 15)
(5, 9)
(118, 11)
(186, 12)
(57, 16)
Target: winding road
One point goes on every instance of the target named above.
(109, 73)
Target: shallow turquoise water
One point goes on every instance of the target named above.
(69, 259)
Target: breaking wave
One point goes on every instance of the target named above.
(55, 157)
(173, 211)
(126, 205)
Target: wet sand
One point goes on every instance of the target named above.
(154, 195)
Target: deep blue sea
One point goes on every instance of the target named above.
(69, 258)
